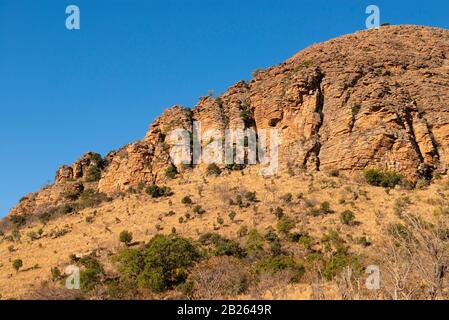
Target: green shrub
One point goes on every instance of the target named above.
(285, 224)
(232, 215)
(92, 273)
(250, 196)
(273, 265)
(90, 198)
(72, 195)
(213, 169)
(306, 241)
(355, 109)
(334, 173)
(243, 231)
(68, 209)
(279, 213)
(199, 210)
(93, 174)
(347, 217)
(325, 207)
(222, 246)
(363, 241)
(126, 237)
(254, 243)
(275, 248)
(17, 264)
(186, 200)
(18, 220)
(220, 220)
(386, 179)
(171, 172)
(338, 261)
(162, 264)
(55, 274)
(157, 192)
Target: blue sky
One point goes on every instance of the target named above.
(63, 93)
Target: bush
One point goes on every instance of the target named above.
(386, 179)
(222, 246)
(279, 213)
(186, 200)
(72, 195)
(220, 220)
(55, 274)
(92, 273)
(90, 198)
(198, 210)
(243, 231)
(285, 224)
(18, 220)
(363, 241)
(17, 264)
(126, 237)
(250, 196)
(347, 217)
(213, 169)
(171, 172)
(162, 264)
(93, 174)
(338, 261)
(232, 215)
(68, 209)
(325, 207)
(273, 265)
(271, 235)
(334, 173)
(254, 243)
(157, 192)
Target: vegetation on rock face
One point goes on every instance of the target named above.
(171, 172)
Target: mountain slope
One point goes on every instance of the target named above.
(374, 99)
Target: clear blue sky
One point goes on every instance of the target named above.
(63, 93)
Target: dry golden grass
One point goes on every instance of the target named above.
(145, 217)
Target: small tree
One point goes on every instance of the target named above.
(213, 169)
(347, 217)
(17, 264)
(285, 224)
(126, 237)
(232, 215)
(187, 200)
(171, 172)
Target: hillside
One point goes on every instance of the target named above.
(363, 122)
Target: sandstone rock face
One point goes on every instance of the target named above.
(376, 98)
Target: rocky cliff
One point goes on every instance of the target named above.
(376, 98)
